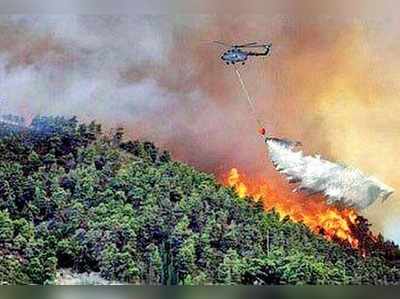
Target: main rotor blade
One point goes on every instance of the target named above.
(259, 46)
(246, 45)
(222, 43)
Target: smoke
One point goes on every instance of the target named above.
(330, 82)
(341, 185)
(77, 65)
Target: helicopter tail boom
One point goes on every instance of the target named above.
(265, 53)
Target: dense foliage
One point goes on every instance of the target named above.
(73, 197)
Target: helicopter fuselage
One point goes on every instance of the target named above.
(234, 55)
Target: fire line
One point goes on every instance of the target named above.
(320, 218)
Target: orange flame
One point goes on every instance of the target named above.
(332, 222)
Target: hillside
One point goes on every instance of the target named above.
(72, 197)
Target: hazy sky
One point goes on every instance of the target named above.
(331, 82)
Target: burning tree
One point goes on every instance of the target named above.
(342, 225)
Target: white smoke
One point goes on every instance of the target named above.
(94, 67)
(341, 185)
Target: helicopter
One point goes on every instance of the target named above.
(238, 54)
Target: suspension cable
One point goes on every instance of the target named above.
(250, 101)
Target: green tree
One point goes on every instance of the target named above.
(230, 270)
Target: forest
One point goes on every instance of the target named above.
(75, 197)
